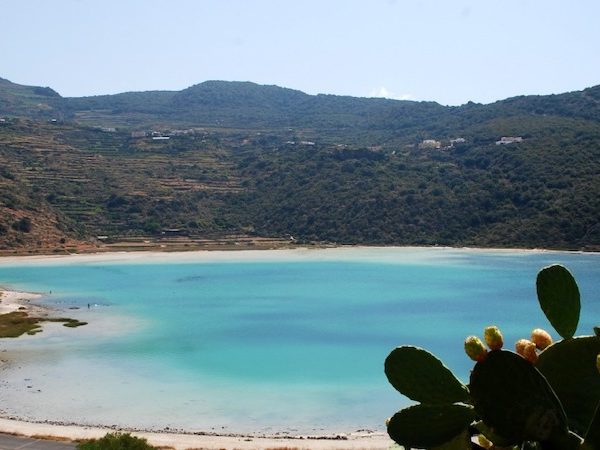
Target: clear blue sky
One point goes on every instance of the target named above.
(449, 51)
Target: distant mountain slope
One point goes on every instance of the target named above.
(230, 159)
(152, 102)
(581, 104)
(227, 94)
(248, 105)
(29, 101)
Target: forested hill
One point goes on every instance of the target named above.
(29, 101)
(237, 161)
(248, 105)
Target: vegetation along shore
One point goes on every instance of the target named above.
(19, 316)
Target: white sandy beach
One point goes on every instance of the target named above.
(182, 441)
(195, 255)
(13, 300)
(300, 253)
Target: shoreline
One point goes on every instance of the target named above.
(178, 439)
(253, 245)
(13, 300)
(254, 255)
(181, 440)
(32, 317)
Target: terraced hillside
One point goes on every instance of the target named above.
(112, 186)
(230, 164)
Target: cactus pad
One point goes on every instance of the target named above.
(422, 377)
(514, 398)
(558, 295)
(592, 437)
(427, 426)
(570, 368)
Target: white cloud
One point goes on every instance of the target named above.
(383, 92)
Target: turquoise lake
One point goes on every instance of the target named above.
(278, 341)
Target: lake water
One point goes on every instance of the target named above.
(282, 341)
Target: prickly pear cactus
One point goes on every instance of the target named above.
(547, 397)
(442, 415)
(558, 295)
(592, 436)
(513, 398)
(427, 426)
(570, 368)
(569, 365)
(422, 377)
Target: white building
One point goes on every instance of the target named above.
(505, 140)
(457, 141)
(430, 143)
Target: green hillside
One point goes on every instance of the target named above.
(29, 101)
(239, 162)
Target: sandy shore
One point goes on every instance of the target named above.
(302, 253)
(182, 441)
(190, 256)
(14, 300)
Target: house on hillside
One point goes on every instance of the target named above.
(505, 140)
(430, 144)
(459, 140)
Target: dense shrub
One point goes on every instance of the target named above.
(23, 224)
(116, 441)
